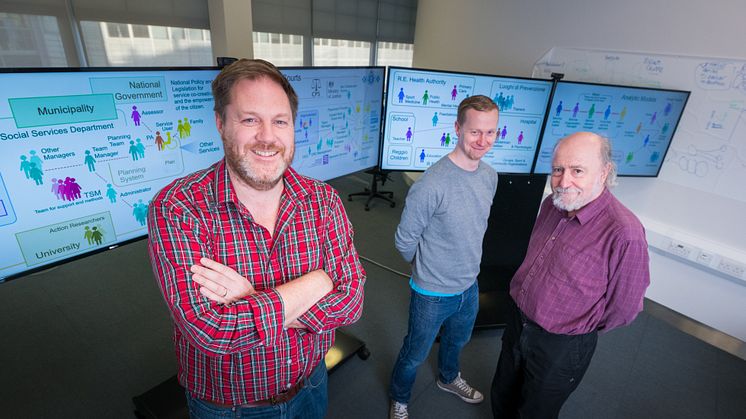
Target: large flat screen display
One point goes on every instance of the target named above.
(84, 151)
(338, 128)
(421, 108)
(639, 122)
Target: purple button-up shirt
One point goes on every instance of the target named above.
(583, 273)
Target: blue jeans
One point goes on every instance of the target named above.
(426, 315)
(310, 402)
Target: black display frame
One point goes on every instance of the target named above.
(620, 86)
(27, 70)
(463, 73)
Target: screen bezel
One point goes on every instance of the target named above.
(54, 264)
(383, 125)
(383, 103)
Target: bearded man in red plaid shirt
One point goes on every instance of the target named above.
(256, 262)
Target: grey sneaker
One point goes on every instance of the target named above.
(398, 410)
(461, 388)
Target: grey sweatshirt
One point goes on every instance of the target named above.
(443, 225)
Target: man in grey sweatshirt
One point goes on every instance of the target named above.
(440, 234)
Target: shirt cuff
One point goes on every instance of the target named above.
(269, 315)
(315, 318)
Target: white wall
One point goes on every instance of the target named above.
(508, 37)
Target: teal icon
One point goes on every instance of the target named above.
(90, 161)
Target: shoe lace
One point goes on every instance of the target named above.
(462, 385)
(400, 410)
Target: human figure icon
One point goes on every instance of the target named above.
(135, 116)
(623, 113)
(89, 161)
(140, 148)
(667, 109)
(401, 95)
(454, 93)
(630, 156)
(140, 211)
(575, 109)
(187, 128)
(425, 97)
(409, 134)
(97, 236)
(520, 138)
(443, 140)
(168, 138)
(504, 132)
(72, 189)
(134, 152)
(448, 139)
(35, 159)
(652, 119)
(111, 193)
(61, 191)
(655, 156)
(558, 109)
(55, 188)
(88, 235)
(607, 112)
(435, 119)
(639, 127)
(665, 128)
(591, 111)
(180, 128)
(646, 140)
(35, 174)
(159, 140)
(422, 156)
(26, 166)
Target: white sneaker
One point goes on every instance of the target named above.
(398, 411)
(461, 388)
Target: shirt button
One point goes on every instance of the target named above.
(523, 291)
(290, 361)
(288, 386)
(552, 237)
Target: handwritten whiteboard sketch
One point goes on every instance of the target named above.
(708, 152)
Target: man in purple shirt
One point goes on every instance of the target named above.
(585, 271)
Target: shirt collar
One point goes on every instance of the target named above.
(296, 186)
(593, 208)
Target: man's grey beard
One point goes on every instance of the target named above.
(557, 199)
(577, 204)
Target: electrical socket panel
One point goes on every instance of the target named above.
(680, 249)
(731, 267)
(705, 258)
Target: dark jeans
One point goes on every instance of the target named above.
(310, 402)
(537, 370)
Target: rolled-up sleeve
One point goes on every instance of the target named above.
(177, 240)
(344, 304)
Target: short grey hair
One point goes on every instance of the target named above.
(608, 162)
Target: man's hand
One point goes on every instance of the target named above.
(220, 283)
(295, 324)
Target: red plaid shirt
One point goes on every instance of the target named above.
(241, 353)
